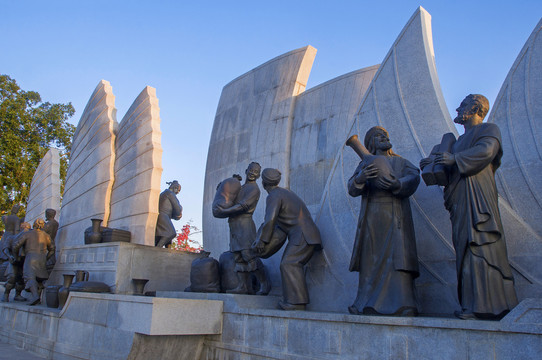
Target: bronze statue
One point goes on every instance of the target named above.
(385, 246)
(38, 249)
(51, 228)
(243, 230)
(14, 272)
(285, 212)
(485, 281)
(12, 224)
(168, 208)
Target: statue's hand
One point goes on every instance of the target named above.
(368, 172)
(388, 184)
(258, 246)
(424, 162)
(445, 158)
(12, 259)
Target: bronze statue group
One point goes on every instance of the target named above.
(384, 251)
(29, 254)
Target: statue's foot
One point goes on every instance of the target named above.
(34, 301)
(408, 312)
(5, 298)
(287, 306)
(242, 290)
(19, 297)
(353, 310)
(265, 288)
(464, 315)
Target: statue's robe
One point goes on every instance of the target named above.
(168, 208)
(384, 251)
(485, 281)
(242, 227)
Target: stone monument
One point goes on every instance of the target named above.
(45, 187)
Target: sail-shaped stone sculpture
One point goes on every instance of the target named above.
(138, 169)
(253, 123)
(90, 175)
(45, 187)
(518, 113)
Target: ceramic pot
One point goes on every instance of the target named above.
(64, 291)
(81, 275)
(93, 234)
(51, 296)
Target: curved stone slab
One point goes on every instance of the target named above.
(322, 118)
(138, 168)
(45, 187)
(404, 97)
(90, 175)
(253, 122)
(517, 111)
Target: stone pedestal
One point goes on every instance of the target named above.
(116, 264)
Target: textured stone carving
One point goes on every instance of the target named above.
(45, 187)
(138, 168)
(90, 176)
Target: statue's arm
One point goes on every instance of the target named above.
(19, 243)
(409, 180)
(476, 158)
(272, 210)
(176, 205)
(355, 188)
(50, 248)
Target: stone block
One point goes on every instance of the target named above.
(116, 264)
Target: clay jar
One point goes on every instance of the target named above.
(93, 234)
(65, 290)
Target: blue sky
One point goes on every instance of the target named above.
(189, 50)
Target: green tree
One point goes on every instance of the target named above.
(28, 128)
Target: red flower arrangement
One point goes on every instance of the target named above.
(183, 243)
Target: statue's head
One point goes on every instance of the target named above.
(270, 177)
(38, 224)
(15, 209)
(253, 171)
(174, 186)
(50, 214)
(474, 106)
(24, 226)
(377, 138)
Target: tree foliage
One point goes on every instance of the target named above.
(28, 128)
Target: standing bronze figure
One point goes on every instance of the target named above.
(243, 232)
(51, 228)
(168, 208)
(38, 249)
(385, 246)
(485, 281)
(287, 214)
(14, 272)
(12, 224)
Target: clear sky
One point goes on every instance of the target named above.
(189, 50)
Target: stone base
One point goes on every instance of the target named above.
(116, 264)
(107, 326)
